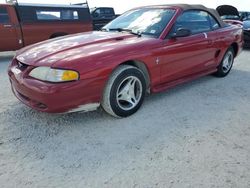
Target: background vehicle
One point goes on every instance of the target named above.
(245, 15)
(101, 16)
(146, 49)
(246, 28)
(25, 24)
(231, 15)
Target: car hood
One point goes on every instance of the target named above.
(74, 46)
(227, 10)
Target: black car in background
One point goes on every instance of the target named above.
(246, 28)
(102, 16)
(245, 16)
(228, 12)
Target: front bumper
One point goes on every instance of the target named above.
(82, 95)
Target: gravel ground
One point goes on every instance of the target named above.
(195, 135)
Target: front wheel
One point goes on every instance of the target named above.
(226, 64)
(124, 92)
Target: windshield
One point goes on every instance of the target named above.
(92, 10)
(245, 15)
(146, 21)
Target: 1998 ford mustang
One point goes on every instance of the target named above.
(147, 49)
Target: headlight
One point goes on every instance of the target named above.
(54, 75)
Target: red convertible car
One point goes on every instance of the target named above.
(147, 49)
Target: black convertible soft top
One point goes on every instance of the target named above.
(186, 7)
(201, 7)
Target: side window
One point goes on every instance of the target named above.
(109, 11)
(69, 15)
(48, 15)
(214, 24)
(195, 20)
(4, 17)
(103, 12)
(57, 15)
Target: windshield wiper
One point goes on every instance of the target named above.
(122, 29)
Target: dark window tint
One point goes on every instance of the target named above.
(107, 11)
(97, 12)
(196, 21)
(103, 12)
(4, 17)
(214, 24)
(245, 15)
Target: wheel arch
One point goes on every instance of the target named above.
(235, 48)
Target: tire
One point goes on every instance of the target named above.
(124, 92)
(226, 64)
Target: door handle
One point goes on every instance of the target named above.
(7, 26)
(205, 35)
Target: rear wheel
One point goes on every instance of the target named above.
(124, 92)
(226, 64)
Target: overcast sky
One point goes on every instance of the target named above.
(124, 5)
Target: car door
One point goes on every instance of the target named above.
(189, 55)
(9, 39)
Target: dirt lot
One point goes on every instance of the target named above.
(196, 135)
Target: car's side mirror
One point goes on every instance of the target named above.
(181, 32)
